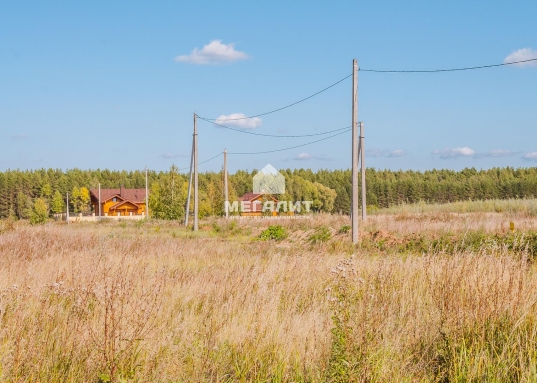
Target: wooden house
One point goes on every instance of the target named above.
(254, 203)
(119, 202)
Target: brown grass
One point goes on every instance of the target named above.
(154, 302)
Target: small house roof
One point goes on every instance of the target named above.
(136, 195)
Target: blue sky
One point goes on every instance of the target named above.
(115, 84)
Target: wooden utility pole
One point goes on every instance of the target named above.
(226, 196)
(187, 210)
(67, 210)
(99, 200)
(195, 173)
(354, 211)
(362, 160)
(146, 196)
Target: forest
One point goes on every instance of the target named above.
(25, 194)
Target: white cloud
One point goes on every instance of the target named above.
(397, 153)
(530, 156)
(308, 156)
(239, 120)
(454, 153)
(499, 153)
(521, 55)
(373, 152)
(213, 53)
(304, 156)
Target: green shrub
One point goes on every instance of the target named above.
(216, 228)
(344, 229)
(275, 232)
(322, 234)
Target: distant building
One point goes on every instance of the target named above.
(119, 202)
(255, 203)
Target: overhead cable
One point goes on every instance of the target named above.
(291, 147)
(201, 163)
(273, 135)
(282, 108)
(446, 70)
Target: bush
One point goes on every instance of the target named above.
(322, 234)
(275, 232)
(344, 229)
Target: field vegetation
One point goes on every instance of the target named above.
(431, 294)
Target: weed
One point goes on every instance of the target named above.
(216, 227)
(7, 225)
(322, 234)
(273, 232)
(344, 229)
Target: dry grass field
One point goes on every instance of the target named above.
(430, 296)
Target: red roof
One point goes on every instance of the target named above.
(135, 195)
(250, 196)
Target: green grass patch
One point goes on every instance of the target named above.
(273, 232)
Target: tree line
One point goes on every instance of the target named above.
(38, 193)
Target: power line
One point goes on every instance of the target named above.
(282, 108)
(201, 163)
(272, 135)
(291, 147)
(446, 70)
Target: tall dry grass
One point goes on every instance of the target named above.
(153, 302)
(526, 207)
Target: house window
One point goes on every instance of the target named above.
(114, 199)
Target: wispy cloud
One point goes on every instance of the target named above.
(213, 53)
(454, 153)
(374, 152)
(239, 120)
(168, 156)
(532, 156)
(500, 153)
(397, 153)
(20, 136)
(495, 154)
(521, 55)
(308, 156)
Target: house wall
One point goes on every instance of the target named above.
(105, 208)
(257, 209)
